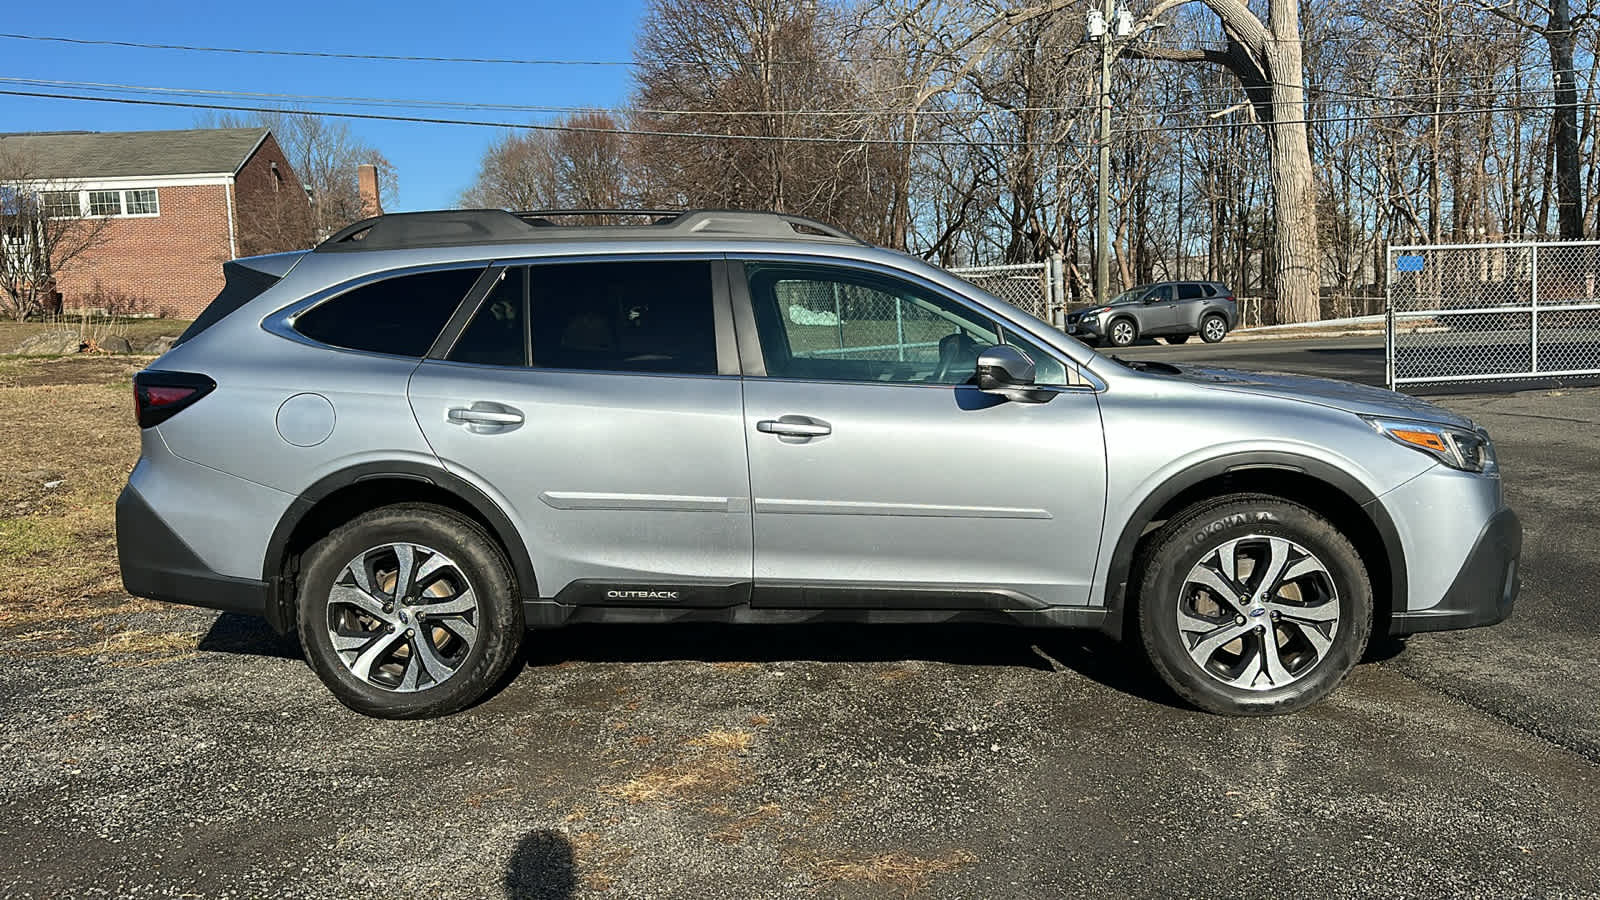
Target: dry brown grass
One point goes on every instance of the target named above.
(908, 873)
(714, 768)
(695, 776)
(57, 544)
(138, 331)
(734, 831)
(125, 647)
(733, 741)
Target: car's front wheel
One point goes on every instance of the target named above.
(1253, 605)
(1122, 333)
(408, 612)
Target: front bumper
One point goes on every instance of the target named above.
(1485, 588)
(1084, 328)
(157, 564)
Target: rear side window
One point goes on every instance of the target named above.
(623, 317)
(1190, 292)
(400, 316)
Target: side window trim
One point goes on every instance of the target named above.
(451, 333)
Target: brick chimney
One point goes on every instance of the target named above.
(367, 178)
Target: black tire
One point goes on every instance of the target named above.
(1122, 332)
(497, 618)
(1213, 328)
(1178, 339)
(1193, 537)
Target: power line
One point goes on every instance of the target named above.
(578, 129)
(321, 54)
(798, 139)
(1226, 95)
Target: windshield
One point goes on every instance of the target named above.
(1132, 295)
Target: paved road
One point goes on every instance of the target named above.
(1351, 358)
(1361, 359)
(847, 762)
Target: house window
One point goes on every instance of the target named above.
(60, 204)
(141, 203)
(105, 203)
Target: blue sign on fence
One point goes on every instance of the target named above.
(1408, 263)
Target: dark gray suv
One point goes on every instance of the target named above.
(1170, 309)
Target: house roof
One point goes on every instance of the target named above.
(120, 154)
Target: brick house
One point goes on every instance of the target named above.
(178, 204)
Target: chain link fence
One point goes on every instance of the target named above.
(1035, 287)
(1480, 312)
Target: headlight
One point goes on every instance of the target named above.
(1458, 448)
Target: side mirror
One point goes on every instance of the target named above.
(1007, 371)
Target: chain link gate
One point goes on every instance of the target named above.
(1034, 287)
(1481, 312)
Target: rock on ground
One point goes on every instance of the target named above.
(51, 342)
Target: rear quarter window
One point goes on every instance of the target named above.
(400, 316)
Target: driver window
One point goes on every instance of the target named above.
(819, 322)
(1161, 294)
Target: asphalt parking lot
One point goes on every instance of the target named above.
(848, 761)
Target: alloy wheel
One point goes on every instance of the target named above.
(402, 617)
(1122, 334)
(1258, 612)
(1216, 329)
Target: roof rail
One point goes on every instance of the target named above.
(394, 231)
(543, 216)
(446, 228)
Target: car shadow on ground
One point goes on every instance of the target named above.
(542, 868)
(1092, 655)
(1087, 653)
(249, 635)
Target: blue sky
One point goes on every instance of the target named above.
(434, 162)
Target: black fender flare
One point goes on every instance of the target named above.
(465, 491)
(1117, 573)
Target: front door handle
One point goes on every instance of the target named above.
(484, 417)
(801, 427)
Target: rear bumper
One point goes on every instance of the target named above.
(1485, 588)
(157, 564)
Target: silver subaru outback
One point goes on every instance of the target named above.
(437, 430)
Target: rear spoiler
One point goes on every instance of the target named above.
(243, 280)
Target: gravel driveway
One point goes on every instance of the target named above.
(201, 758)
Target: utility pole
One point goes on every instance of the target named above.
(1106, 26)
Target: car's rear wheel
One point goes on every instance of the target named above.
(1213, 328)
(408, 612)
(1253, 605)
(1177, 339)
(1122, 332)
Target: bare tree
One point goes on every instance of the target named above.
(43, 234)
(1560, 32)
(584, 168)
(325, 154)
(1265, 56)
(772, 69)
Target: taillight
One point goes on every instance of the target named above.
(160, 395)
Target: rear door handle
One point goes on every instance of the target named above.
(794, 427)
(485, 417)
